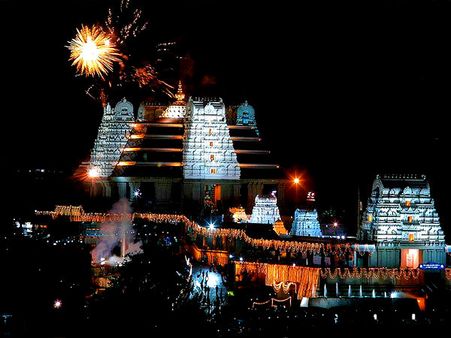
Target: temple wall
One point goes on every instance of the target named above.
(434, 256)
(388, 257)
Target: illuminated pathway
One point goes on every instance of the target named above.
(208, 286)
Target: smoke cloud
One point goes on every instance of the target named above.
(114, 234)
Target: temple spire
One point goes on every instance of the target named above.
(180, 95)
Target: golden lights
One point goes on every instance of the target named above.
(92, 52)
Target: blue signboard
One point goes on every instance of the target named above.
(431, 266)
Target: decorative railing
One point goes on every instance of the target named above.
(368, 273)
(276, 244)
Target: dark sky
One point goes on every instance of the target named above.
(343, 90)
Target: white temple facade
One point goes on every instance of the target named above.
(208, 151)
(111, 138)
(401, 218)
(305, 223)
(265, 210)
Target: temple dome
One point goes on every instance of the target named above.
(245, 115)
(124, 110)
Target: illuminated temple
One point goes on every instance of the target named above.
(174, 156)
(265, 210)
(305, 223)
(402, 220)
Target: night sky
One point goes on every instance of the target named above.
(341, 91)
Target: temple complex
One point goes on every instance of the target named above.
(176, 156)
(305, 223)
(265, 210)
(402, 220)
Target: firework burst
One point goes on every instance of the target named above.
(93, 52)
(128, 23)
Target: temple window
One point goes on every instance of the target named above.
(210, 131)
(410, 219)
(212, 157)
(411, 237)
(211, 143)
(370, 218)
(407, 203)
(213, 171)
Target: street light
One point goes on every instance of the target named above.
(296, 182)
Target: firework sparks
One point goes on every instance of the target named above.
(128, 23)
(93, 52)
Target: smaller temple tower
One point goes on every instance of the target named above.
(265, 210)
(401, 218)
(177, 109)
(306, 223)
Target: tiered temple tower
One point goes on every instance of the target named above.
(111, 138)
(265, 210)
(401, 218)
(208, 151)
(306, 223)
(178, 156)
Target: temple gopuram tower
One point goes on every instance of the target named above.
(265, 210)
(402, 220)
(111, 138)
(183, 156)
(208, 151)
(305, 223)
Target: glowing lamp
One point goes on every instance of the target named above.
(211, 226)
(296, 180)
(93, 172)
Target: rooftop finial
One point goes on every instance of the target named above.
(180, 95)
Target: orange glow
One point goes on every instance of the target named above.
(126, 163)
(410, 258)
(137, 136)
(411, 237)
(410, 219)
(296, 180)
(132, 149)
(421, 303)
(407, 203)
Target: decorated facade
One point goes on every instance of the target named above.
(402, 220)
(265, 210)
(208, 151)
(177, 109)
(178, 155)
(111, 138)
(305, 223)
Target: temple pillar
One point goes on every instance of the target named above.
(107, 190)
(236, 193)
(122, 189)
